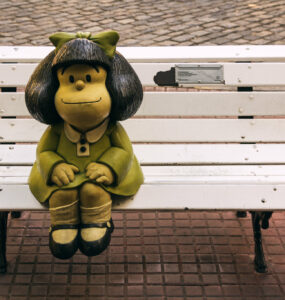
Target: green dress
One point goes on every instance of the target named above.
(113, 149)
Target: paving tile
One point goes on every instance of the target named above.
(172, 278)
(135, 290)
(115, 290)
(193, 291)
(117, 278)
(97, 290)
(77, 290)
(19, 290)
(154, 278)
(135, 278)
(192, 279)
(154, 290)
(4, 291)
(39, 290)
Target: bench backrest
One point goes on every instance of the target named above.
(218, 113)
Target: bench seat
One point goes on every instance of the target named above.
(226, 179)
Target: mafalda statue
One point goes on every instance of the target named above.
(82, 89)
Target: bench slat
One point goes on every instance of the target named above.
(162, 54)
(253, 173)
(212, 104)
(245, 74)
(182, 104)
(167, 130)
(208, 187)
(179, 196)
(13, 104)
(179, 179)
(171, 154)
(15, 75)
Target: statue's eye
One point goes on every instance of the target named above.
(88, 78)
(71, 78)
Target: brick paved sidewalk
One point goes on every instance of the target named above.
(153, 255)
(146, 22)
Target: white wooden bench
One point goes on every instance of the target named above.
(212, 149)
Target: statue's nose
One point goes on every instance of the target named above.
(80, 85)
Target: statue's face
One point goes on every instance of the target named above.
(82, 99)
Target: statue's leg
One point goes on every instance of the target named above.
(3, 237)
(64, 212)
(96, 222)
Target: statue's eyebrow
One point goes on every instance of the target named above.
(63, 69)
(96, 68)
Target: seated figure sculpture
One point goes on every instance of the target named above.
(82, 89)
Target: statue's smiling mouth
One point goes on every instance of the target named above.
(82, 102)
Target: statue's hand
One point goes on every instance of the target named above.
(63, 174)
(101, 173)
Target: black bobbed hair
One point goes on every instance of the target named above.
(125, 89)
(122, 82)
(40, 92)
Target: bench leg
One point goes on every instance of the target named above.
(15, 214)
(259, 219)
(241, 214)
(3, 236)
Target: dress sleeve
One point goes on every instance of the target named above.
(120, 155)
(47, 158)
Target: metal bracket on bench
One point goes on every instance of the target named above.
(189, 74)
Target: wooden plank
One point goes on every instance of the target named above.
(206, 188)
(204, 53)
(13, 155)
(206, 130)
(168, 130)
(212, 104)
(23, 54)
(163, 54)
(16, 172)
(184, 180)
(15, 75)
(13, 104)
(182, 104)
(254, 74)
(259, 74)
(257, 174)
(172, 196)
(208, 197)
(172, 154)
(210, 154)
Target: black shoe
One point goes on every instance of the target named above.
(98, 246)
(63, 251)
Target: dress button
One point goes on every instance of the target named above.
(82, 141)
(82, 149)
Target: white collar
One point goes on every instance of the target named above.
(91, 136)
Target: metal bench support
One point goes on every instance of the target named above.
(3, 237)
(259, 220)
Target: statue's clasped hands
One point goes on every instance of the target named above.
(63, 173)
(100, 173)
